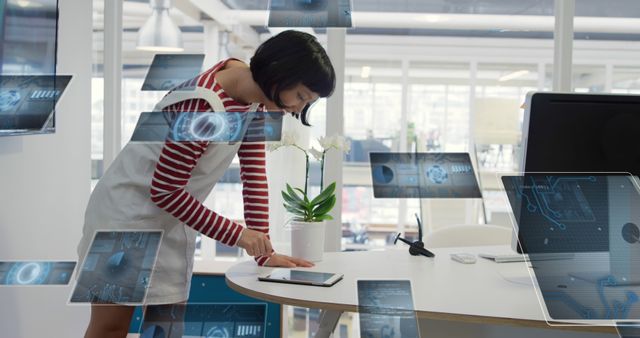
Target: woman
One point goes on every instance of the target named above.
(160, 186)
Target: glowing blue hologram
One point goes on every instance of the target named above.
(386, 309)
(310, 13)
(27, 102)
(36, 273)
(173, 72)
(592, 217)
(560, 212)
(437, 174)
(9, 99)
(116, 269)
(210, 127)
(214, 127)
(423, 175)
(205, 320)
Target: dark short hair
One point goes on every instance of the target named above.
(290, 58)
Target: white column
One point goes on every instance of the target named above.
(112, 136)
(211, 44)
(563, 45)
(336, 41)
(404, 107)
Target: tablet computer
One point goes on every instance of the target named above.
(301, 277)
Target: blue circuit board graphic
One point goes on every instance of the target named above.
(217, 320)
(423, 175)
(559, 199)
(560, 212)
(117, 268)
(310, 13)
(36, 273)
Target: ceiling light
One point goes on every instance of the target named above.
(513, 75)
(432, 18)
(160, 33)
(365, 72)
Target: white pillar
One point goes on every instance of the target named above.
(563, 45)
(211, 44)
(336, 41)
(404, 119)
(112, 136)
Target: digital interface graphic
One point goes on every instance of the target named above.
(169, 70)
(310, 13)
(215, 127)
(216, 320)
(386, 309)
(589, 219)
(423, 175)
(27, 102)
(36, 273)
(117, 268)
(560, 213)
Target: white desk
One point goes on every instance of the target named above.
(442, 289)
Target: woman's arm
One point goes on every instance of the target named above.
(171, 175)
(255, 190)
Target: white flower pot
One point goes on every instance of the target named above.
(307, 240)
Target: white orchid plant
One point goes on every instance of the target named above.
(296, 200)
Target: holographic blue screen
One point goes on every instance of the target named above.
(27, 102)
(216, 127)
(310, 13)
(36, 273)
(204, 320)
(580, 232)
(423, 175)
(117, 268)
(169, 70)
(386, 309)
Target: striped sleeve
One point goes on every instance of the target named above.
(255, 190)
(168, 192)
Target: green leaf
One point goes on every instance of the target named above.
(323, 218)
(288, 199)
(325, 194)
(306, 200)
(293, 194)
(295, 206)
(295, 211)
(325, 206)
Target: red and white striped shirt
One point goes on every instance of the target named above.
(178, 159)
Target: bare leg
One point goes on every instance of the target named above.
(109, 321)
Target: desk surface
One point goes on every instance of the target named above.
(442, 289)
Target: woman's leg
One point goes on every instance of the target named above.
(109, 321)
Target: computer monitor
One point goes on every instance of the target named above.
(581, 133)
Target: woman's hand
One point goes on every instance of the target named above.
(255, 243)
(284, 261)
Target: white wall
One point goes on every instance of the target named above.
(44, 188)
